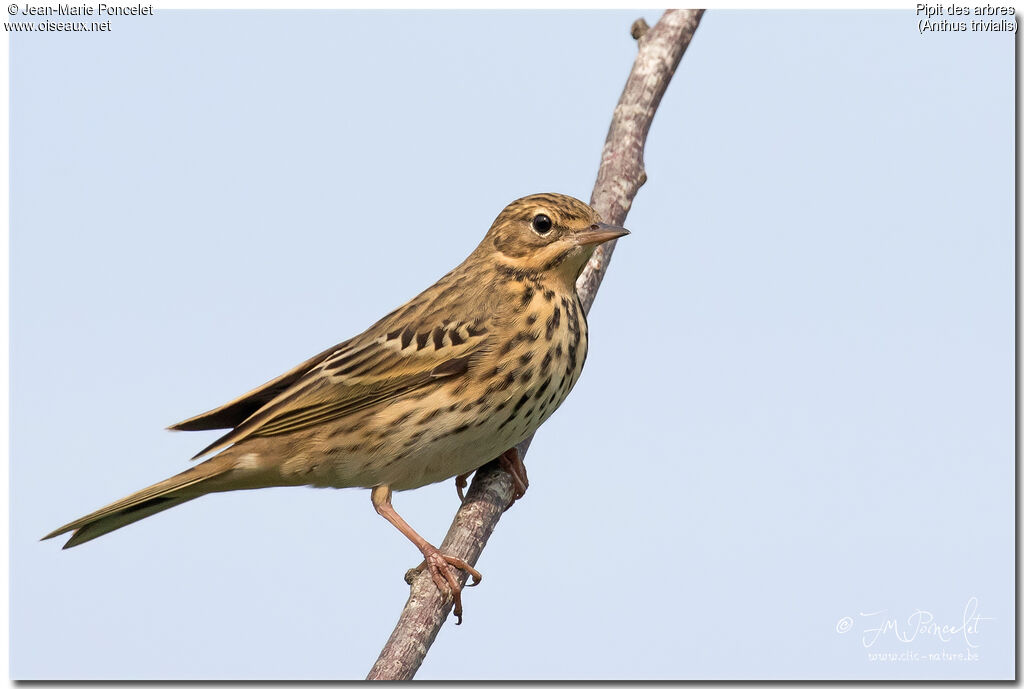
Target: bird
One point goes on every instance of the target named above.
(454, 378)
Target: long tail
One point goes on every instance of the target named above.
(160, 496)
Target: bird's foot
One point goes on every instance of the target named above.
(461, 481)
(441, 568)
(512, 462)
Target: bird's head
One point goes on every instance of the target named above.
(547, 233)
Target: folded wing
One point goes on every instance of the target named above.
(346, 379)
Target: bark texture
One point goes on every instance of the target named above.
(619, 177)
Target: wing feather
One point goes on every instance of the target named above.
(350, 378)
(238, 410)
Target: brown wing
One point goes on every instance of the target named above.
(356, 376)
(235, 412)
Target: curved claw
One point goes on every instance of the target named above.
(440, 567)
(461, 481)
(512, 462)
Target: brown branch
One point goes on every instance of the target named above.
(639, 28)
(619, 177)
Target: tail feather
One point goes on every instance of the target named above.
(104, 525)
(148, 501)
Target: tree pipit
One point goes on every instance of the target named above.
(457, 376)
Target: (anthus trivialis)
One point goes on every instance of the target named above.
(457, 376)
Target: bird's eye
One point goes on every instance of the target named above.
(541, 224)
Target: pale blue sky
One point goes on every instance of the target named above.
(798, 405)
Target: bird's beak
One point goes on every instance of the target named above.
(599, 232)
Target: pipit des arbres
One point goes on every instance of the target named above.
(457, 376)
